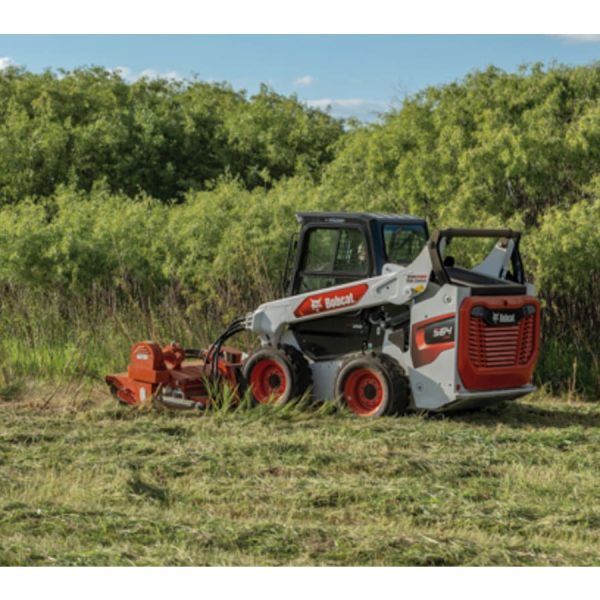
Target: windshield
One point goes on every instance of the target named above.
(403, 241)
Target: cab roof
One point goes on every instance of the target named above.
(355, 216)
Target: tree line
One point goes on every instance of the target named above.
(158, 137)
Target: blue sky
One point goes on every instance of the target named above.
(357, 75)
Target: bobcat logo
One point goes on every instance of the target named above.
(503, 318)
(315, 304)
(322, 302)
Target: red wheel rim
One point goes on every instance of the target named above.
(363, 391)
(268, 380)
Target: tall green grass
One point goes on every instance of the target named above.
(44, 337)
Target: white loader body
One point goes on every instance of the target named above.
(431, 365)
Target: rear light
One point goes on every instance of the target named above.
(432, 337)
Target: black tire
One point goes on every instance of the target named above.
(277, 375)
(372, 385)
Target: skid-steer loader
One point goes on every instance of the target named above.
(375, 315)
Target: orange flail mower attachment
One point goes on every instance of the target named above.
(177, 376)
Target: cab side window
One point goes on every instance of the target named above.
(403, 243)
(332, 256)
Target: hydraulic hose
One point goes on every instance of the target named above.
(214, 350)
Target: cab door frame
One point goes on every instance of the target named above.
(302, 248)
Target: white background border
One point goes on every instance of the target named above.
(309, 583)
(283, 17)
(305, 16)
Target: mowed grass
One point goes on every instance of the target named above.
(95, 484)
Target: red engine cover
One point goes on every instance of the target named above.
(498, 341)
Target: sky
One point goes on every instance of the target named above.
(355, 75)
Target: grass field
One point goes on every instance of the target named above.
(85, 482)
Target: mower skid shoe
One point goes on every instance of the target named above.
(120, 389)
(175, 402)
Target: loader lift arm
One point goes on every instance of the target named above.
(493, 267)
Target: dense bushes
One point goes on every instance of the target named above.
(89, 245)
(564, 254)
(213, 244)
(495, 144)
(154, 136)
(231, 237)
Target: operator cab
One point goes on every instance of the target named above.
(338, 248)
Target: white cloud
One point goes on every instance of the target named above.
(339, 103)
(130, 76)
(584, 38)
(304, 81)
(366, 110)
(153, 74)
(124, 72)
(5, 62)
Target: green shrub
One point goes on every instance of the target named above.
(158, 137)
